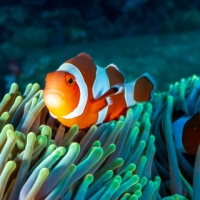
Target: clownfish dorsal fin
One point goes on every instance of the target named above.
(85, 56)
(106, 99)
(114, 74)
(85, 64)
(82, 59)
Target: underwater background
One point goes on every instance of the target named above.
(42, 159)
(159, 37)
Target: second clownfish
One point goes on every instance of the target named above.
(186, 131)
(82, 93)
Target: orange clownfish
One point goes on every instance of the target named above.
(80, 92)
(186, 131)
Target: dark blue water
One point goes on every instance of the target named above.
(40, 35)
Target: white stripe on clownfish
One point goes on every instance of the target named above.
(130, 90)
(101, 83)
(100, 86)
(70, 68)
(128, 94)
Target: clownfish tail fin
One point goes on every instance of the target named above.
(139, 90)
(143, 88)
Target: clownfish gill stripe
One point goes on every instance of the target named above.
(178, 127)
(128, 94)
(67, 67)
(100, 86)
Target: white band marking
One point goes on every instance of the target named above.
(100, 86)
(69, 68)
(128, 94)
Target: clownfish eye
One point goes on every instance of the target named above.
(70, 81)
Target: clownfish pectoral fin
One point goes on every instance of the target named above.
(106, 98)
(139, 90)
(115, 89)
(99, 104)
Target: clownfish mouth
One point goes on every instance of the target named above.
(54, 92)
(54, 99)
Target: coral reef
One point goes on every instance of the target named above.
(41, 158)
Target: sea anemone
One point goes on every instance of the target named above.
(42, 159)
(179, 171)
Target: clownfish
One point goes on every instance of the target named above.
(80, 92)
(186, 131)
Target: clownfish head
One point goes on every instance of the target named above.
(61, 93)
